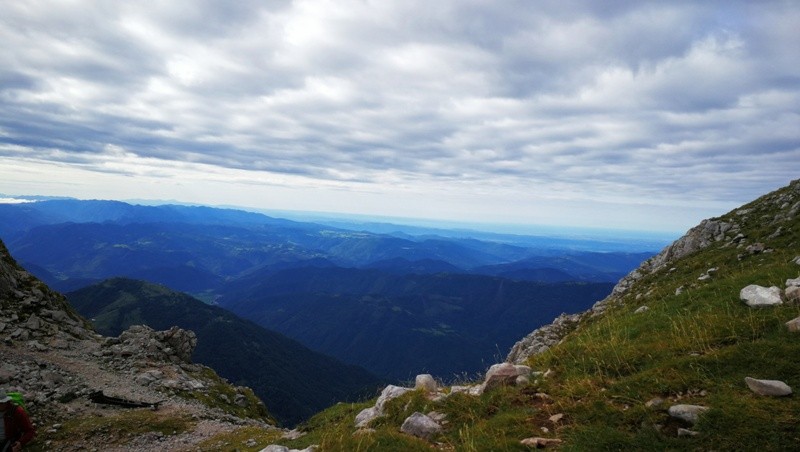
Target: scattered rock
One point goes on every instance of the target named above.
(654, 402)
(421, 426)
(758, 296)
(793, 325)
(687, 432)
(688, 413)
(540, 443)
(679, 290)
(755, 248)
(704, 278)
(773, 388)
(793, 294)
(556, 418)
(793, 282)
(641, 309)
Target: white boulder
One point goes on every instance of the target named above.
(758, 296)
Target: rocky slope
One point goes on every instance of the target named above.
(51, 355)
(694, 350)
(783, 207)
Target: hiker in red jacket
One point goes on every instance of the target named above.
(17, 430)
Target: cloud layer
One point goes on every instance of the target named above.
(517, 111)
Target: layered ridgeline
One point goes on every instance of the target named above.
(395, 303)
(695, 350)
(200, 250)
(294, 381)
(75, 381)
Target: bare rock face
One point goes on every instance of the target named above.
(542, 338)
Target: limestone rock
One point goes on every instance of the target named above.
(425, 382)
(503, 374)
(542, 338)
(367, 414)
(421, 426)
(793, 325)
(688, 413)
(687, 432)
(540, 443)
(758, 296)
(793, 294)
(793, 282)
(773, 388)
(641, 309)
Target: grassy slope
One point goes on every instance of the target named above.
(695, 347)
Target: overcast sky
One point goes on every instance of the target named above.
(612, 114)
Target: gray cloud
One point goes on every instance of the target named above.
(651, 102)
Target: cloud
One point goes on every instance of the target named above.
(630, 104)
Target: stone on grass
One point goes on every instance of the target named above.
(793, 282)
(757, 296)
(425, 382)
(793, 325)
(556, 418)
(367, 414)
(421, 426)
(773, 388)
(503, 374)
(687, 432)
(641, 309)
(540, 442)
(688, 413)
(793, 293)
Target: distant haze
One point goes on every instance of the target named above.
(642, 116)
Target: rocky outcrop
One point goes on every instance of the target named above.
(51, 355)
(725, 232)
(368, 414)
(542, 338)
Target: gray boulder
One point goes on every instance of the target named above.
(759, 296)
(793, 325)
(503, 374)
(688, 413)
(773, 388)
(425, 382)
(421, 426)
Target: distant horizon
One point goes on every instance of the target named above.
(525, 230)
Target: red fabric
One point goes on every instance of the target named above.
(18, 425)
